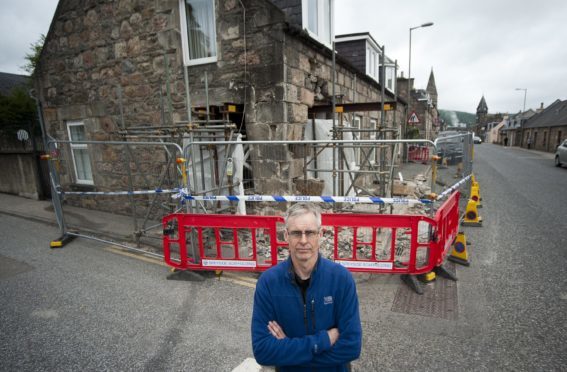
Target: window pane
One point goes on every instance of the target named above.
(312, 14)
(77, 132)
(201, 32)
(83, 164)
(326, 22)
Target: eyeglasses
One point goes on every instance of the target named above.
(309, 234)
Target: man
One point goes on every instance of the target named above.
(305, 313)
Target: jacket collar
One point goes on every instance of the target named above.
(291, 273)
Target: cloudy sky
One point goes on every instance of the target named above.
(488, 47)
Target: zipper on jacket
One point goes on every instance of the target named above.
(305, 317)
(313, 313)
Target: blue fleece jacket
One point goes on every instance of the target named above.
(331, 301)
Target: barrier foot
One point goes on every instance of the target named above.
(61, 241)
(459, 261)
(445, 273)
(186, 276)
(469, 223)
(413, 283)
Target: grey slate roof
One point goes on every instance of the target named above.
(10, 81)
(553, 116)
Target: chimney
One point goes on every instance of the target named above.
(541, 107)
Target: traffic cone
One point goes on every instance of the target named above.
(471, 215)
(475, 195)
(459, 254)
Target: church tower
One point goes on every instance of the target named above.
(481, 111)
(432, 89)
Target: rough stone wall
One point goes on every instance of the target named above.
(108, 63)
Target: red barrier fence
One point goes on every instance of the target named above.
(418, 153)
(401, 244)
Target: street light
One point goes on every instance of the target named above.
(525, 93)
(409, 79)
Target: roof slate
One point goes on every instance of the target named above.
(553, 116)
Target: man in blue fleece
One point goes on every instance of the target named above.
(305, 313)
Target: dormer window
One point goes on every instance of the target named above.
(317, 18)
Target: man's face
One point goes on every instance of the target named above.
(302, 234)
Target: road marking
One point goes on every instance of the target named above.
(226, 276)
(138, 256)
(239, 279)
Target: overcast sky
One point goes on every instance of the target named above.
(476, 47)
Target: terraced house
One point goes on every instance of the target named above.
(109, 67)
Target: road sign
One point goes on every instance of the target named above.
(413, 119)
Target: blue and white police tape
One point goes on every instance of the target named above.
(453, 188)
(136, 192)
(301, 198)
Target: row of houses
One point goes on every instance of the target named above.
(109, 66)
(542, 129)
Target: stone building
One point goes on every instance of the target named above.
(546, 129)
(422, 102)
(109, 66)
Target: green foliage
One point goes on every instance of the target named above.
(17, 111)
(33, 56)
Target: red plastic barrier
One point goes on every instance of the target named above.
(403, 244)
(418, 153)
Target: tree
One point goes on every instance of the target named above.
(33, 56)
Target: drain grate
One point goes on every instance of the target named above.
(439, 299)
(10, 267)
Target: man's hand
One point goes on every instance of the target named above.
(333, 335)
(276, 330)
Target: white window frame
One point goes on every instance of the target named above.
(78, 146)
(320, 25)
(187, 61)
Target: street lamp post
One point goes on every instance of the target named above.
(525, 94)
(409, 81)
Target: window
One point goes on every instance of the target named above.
(317, 16)
(80, 153)
(199, 35)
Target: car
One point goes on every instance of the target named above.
(561, 154)
(477, 139)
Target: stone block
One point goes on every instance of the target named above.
(297, 113)
(73, 112)
(271, 112)
(296, 77)
(274, 186)
(120, 49)
(292, 169)
(306, 97)
(258, 132)
(311, 186)
(274, 152)
(265, 168)
(229, 31)
(304, 63)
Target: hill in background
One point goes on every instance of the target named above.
(457, 118)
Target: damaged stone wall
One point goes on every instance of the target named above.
(108, 63)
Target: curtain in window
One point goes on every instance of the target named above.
(200, 28)
(83, 164)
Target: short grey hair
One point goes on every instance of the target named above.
(299, 209)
